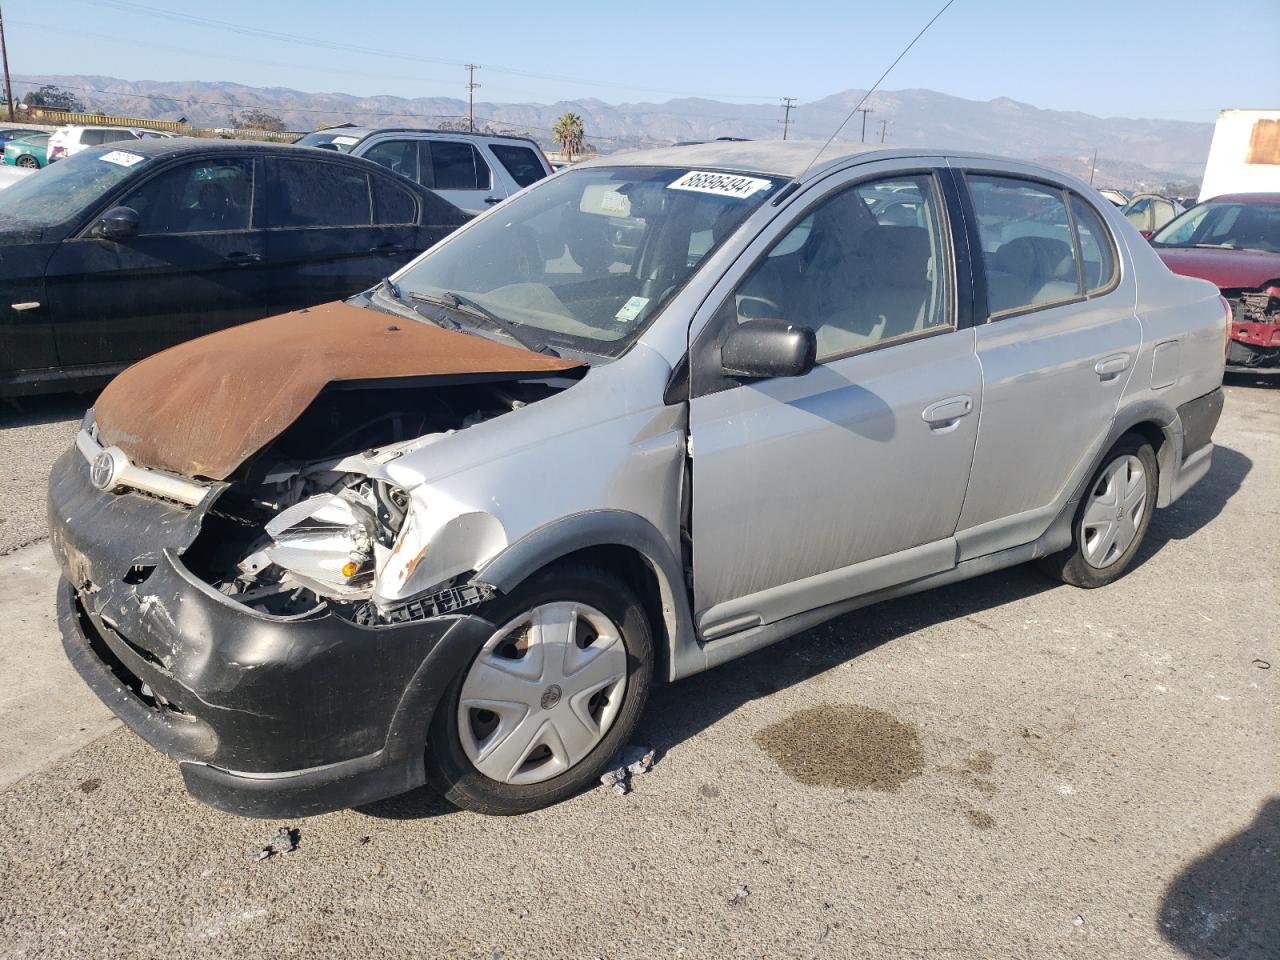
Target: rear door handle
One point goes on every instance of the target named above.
(244, 258)
(1112, 366)
(493, 199)
(947, 411)
(386, 249)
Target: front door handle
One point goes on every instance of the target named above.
(243, 259)
(386, 249)
(947, 411)
(493, 199)
(1112, 366)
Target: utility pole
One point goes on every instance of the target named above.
(1093, 166)
(471, 96)
(786, 118)
(884, 125)
(4, 54)
(864, 111)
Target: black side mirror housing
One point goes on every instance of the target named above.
(758, 349)
(118, 223)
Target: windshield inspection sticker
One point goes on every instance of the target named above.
(122, 158)
(631, 309)
(721, 184)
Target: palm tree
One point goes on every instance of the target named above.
(568, 133)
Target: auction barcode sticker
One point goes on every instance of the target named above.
(721, 184)
(122, 158)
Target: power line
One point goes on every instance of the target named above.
(786, 117)
(36, 81)
(127, 6)
(875, 86)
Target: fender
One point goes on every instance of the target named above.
(600, 528)
(1168, 457)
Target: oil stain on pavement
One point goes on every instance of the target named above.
(844, 745)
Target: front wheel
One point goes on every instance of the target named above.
(1112, 518)
(549, 699)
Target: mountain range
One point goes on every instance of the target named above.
(1130, 152)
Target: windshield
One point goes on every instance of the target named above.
(1234, 226)
(64, 189)
(329, 140)
(587, 259)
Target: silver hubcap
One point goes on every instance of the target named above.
(544, 690)
(1114, 512)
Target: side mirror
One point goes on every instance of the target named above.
(118, 223)
(758, 349)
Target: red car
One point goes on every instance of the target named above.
(1234, 242)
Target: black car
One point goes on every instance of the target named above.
(122, 250)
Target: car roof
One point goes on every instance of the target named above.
(361, 133)
(166, 146)
(1245, 198)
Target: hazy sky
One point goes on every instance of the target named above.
(1174, 59)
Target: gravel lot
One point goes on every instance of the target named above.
(1035, 771)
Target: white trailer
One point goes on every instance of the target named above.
(1245, 154)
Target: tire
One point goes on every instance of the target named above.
(1090, 562)
(26, 160)
(464, 737)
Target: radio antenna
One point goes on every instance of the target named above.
(875, 86)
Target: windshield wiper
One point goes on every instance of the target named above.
(465, 305)
(389, 290)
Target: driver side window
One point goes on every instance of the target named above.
(201, 197)
(867, 266)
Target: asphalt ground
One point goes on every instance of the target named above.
(1000, 768)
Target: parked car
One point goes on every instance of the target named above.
(653, 413)
(1234, 242)
(1150, 211)
(470, 170)
(1118, 197)
(28, 151)
(123, 250)
(13, 133)
(69, 140)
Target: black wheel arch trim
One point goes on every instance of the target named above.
(603, 528)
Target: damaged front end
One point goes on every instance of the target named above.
(293, 534)
(281, 622)
(1255, 329)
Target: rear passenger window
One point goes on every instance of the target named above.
(521, 162)
(1026, 243)
(398, 155)
(311, 194)
(1095, 246)
(454, 166)
(392, 203)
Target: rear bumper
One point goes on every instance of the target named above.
(267, 716)
(1198, 418)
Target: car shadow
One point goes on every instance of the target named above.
(1199, 505)
(42, 409)
(1227, 902)
(679, 711)
(1264, 380)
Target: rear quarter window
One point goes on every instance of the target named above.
(392, 203)
(524, 165)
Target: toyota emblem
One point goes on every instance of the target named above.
(551, 696)
(103, 472)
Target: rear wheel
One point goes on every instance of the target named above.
(549, 699)
(1112, 518)
(26, 160)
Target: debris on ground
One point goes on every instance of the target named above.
(740, 895)
(633, 760)
(1261, 664)
(285, 840)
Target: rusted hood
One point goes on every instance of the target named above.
(202, 408)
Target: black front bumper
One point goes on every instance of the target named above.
(267, 716)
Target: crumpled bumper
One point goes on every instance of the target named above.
(267, 716)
